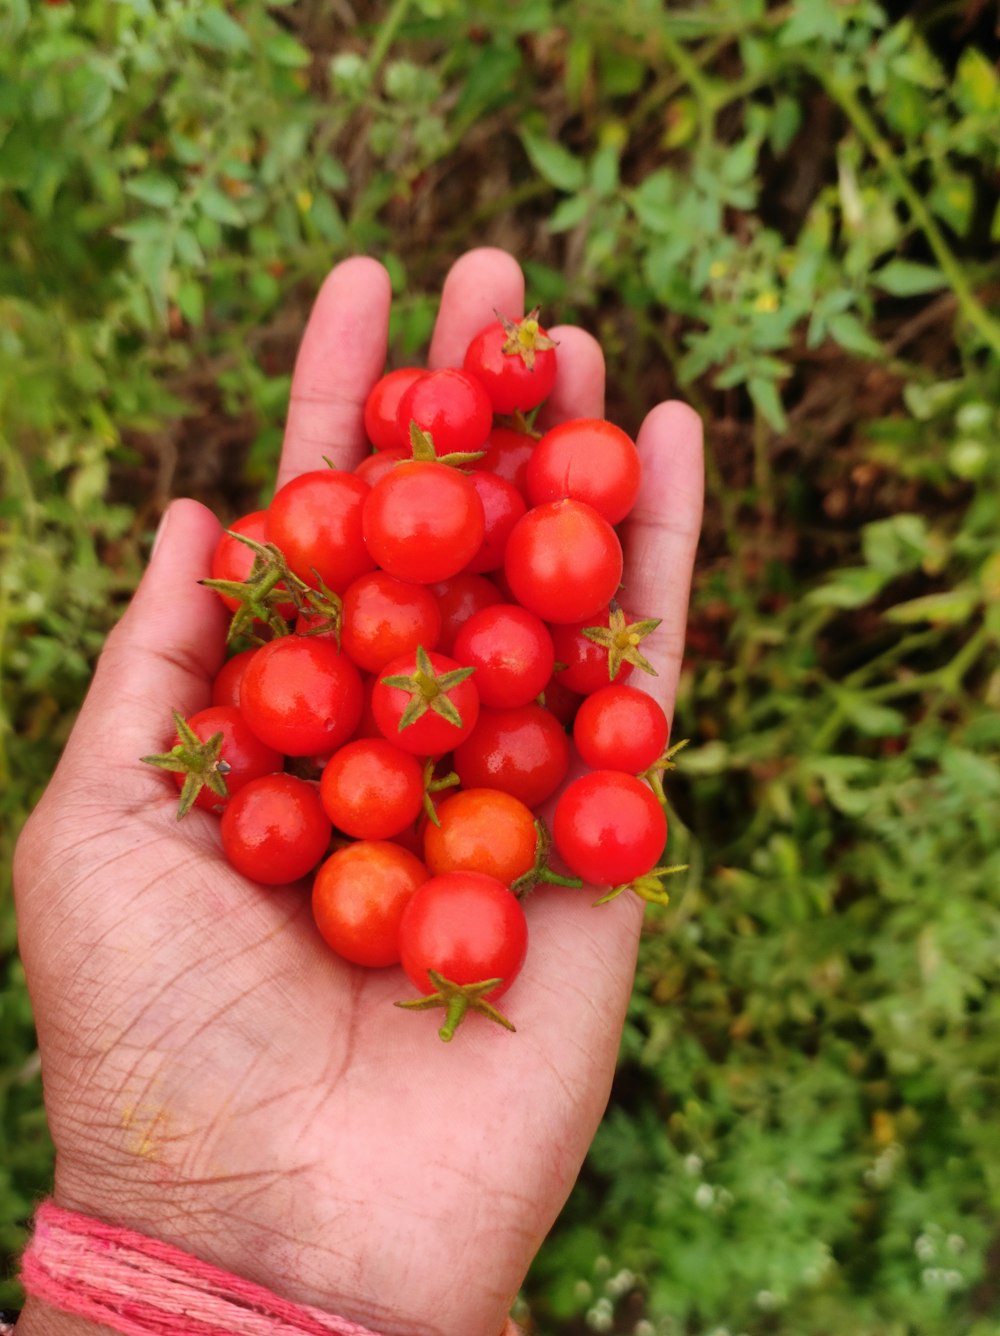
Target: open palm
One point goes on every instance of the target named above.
(214, 1076)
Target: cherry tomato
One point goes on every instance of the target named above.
(524, 752)
(559, 700)
(511, 651)
(507, 455)
(563, 561)
(431, 734)
(451, 406)
(371, 790)
(274, 830)
(423, 521)
(359, 896)
(226, 686)
(316, 522)
(301, 696)
(609, 827)
(238, 758)
(620, 728)
(376, 466)
(382, 408)
(516, 363)
(467, 927)
(503, 506)
(482, 830)
(589, 460)
(586, 663)
(233, 560)
(458, 598)
(383, 618)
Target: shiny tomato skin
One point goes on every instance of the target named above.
(587, 667)
(316, 522)
(274, 830)
(229, 678)
(524, 752)
(359, 896)
(301, 696)
(503, 506)
(620, 728)
(507, 455)
(247, 757)
(382, 408)
(232, 560)
(383, 618)
(451, 406)
(468, 927)
(589, 460)
(511, 651)
(371, 789)
(374, 467)
(423, 521)
(431, 734)
(563, 561)
(511, 385)
(482, 830)
(609, 828)
(458, 598)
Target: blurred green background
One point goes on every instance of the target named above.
(784, 213)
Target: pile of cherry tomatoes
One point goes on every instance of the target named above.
(420, 637)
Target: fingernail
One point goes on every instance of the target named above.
(161, 529)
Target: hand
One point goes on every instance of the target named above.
(214, 1076)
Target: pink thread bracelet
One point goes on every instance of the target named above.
(142, 1287)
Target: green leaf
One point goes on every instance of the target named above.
(945, 609)
(552, 162)
(282, 49)
(872, 719)
(977, 85)
(490, 83)
(906, 278)
(217, 205)
(153, 188)
(569, 213)
(213, 27)
(852, 587)
(767, 401)
(851, 334)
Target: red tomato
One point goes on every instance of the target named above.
(564, 561)
(451, 406)
(316, 522)
(511, 651)
(382, 408)
(274, 830)
(232, 560)
(376, 466)
(423, 521)
(609, 827)
(226, 687)
(589, 460)
(620, 728)
(482, 830)
(384, 618)
(467, 927)
(587, 666)
(524, 752)
(559, 700)
(458, 598)
(301, 696)
(372, 790)
(507, 455)
(238, 758)
(359, 896)
(503, 506)
(431, 734)
(515, 361)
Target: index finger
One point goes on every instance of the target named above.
(341, 356)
